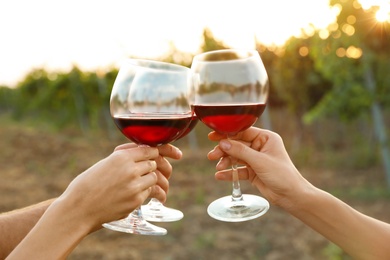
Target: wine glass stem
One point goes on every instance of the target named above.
(155, 203)
(236, 194)
(137, 212)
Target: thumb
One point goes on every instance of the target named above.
(240, 151)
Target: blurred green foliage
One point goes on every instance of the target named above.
(338, 73)
(308, 75)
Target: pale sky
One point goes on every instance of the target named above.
(93, 34)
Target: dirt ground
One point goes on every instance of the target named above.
(38, 165)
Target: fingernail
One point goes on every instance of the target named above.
(179, 152)
(225, 145)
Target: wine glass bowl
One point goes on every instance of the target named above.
(150, 106)
(230, 95)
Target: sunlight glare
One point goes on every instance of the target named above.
(383, 12)
(382, 15)
(367, 4)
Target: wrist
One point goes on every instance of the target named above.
(300, 199)
(66, 211)
(309, 205)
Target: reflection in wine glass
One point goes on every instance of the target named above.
(230, 95)
(150, 105)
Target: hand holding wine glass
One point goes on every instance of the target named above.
(230, 95)
(150, 105)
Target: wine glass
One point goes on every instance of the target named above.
(230, 95)
(155, 210)
(150, 105)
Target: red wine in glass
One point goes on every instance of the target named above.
(150, 130)
(229, 119)
(194, 121)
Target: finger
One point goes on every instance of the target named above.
(240, 151)
(141, 153)
(223, 163)
(170, 151)
(164, 166)
(224, 159)
(144, 167)
(215, 136)
(226, 175)
(158, 193)
(216, 154)
(145, 182)
(246, 136)
(254, 133)
(226, 162)
(162, 181)
(125, 146)
(141, 189)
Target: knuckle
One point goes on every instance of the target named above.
(139, 199)
(145, 152)
(152, 165)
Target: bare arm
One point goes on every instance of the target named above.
(55, 235)
(270, 169)
(15, 225)
(359, 235)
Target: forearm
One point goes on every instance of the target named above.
(15, 225)
(357, 234)
(55, 235)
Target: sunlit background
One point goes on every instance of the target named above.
(97, 33)
(329, 100)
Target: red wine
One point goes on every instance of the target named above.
(229, 119)
(191, 126)
(152, 130)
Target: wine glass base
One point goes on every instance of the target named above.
(135, 226)
(161, 213)
(250, 207)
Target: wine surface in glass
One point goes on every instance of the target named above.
(152, 130)
(229, 119)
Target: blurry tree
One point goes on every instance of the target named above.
(7, 98)
(177, 57)
(210, 43)
(64, 98)
(270, 56)
(354, 53)
(102, 116)
(30, 93)
(296, 82)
